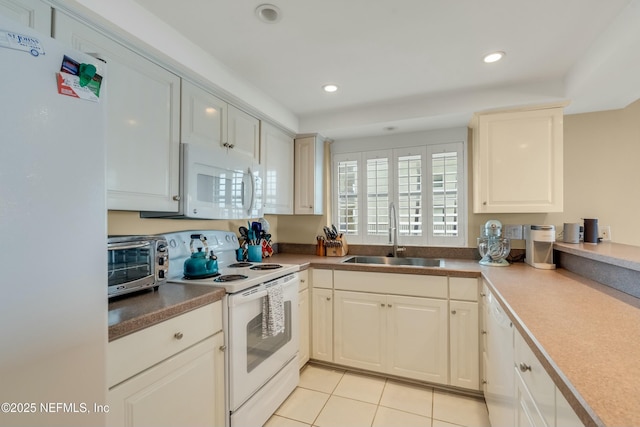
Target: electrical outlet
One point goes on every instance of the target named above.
(604, 232)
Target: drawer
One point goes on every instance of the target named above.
(538, 382)
(322, 278)
(417, 285)
(134, 353)
(463, 288)
(303, 275)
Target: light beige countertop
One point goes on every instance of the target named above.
(131, 313)
(585, 334)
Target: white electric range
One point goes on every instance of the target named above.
(260, 371)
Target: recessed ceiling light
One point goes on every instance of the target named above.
(330, 88)
(493, 57)
(268, 13)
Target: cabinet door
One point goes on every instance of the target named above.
(360, 330)
(322, 324)
(527, 413)
(185, 390)
(204, 117)
(465, 361)
(417, 338)
(243, 134)
(303, 312)
(518, 162)
(277, 159)
(35, 14)
(143, 122)
(308, 180)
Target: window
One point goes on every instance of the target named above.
(426, 183)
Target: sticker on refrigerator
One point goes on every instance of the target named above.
(11, 40)
(79, 80)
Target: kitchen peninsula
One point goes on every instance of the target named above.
(580, 330)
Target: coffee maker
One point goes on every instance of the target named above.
(539, 246)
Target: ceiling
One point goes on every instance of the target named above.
(417, 64)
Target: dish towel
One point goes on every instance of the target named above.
(273, 312)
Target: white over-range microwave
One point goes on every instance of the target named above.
(216, 185)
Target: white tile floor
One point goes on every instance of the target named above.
(328, 397)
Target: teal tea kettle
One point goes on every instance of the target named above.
(201, 264)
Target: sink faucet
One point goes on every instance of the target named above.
(393, 230)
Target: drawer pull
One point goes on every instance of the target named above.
(453, 312)
(524, 367)
(178, 335)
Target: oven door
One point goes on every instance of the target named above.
(253, 360)
(217, 188)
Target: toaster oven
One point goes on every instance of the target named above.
(136, 263)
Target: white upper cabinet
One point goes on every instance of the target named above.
(208, 120)
(204, 117)
(309, 175)
(517, 161)
(243, 134)
(277, 160)
(143, 121)
(33, 13)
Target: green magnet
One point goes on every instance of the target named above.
(86, 73)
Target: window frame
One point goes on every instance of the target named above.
(426, 150)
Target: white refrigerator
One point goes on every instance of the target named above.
(53, 267)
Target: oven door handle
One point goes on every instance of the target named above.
(238, 300)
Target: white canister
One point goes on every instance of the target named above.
(571, 233)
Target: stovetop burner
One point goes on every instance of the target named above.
(240, 264)
(206, 276)
(230, 278)
(266, 267)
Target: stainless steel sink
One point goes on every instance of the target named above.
(383, 260)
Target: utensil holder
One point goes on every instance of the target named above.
(254, 253)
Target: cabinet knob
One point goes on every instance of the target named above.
(328, 298)
(484, 332)
(482, 294)
(382, 304)
(176, 198)
(178, 335)
(231, 145)
(222, 348)
(453, 312)
(302, 280)
(484, 203)
(524, 367)
(484, 381)
(389, 305)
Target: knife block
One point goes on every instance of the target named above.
(338, 247)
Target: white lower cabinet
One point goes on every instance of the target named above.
(322, 324)
(169, 374)
(463, 331)
(360, 330)
(404, 336)
(303, 312)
